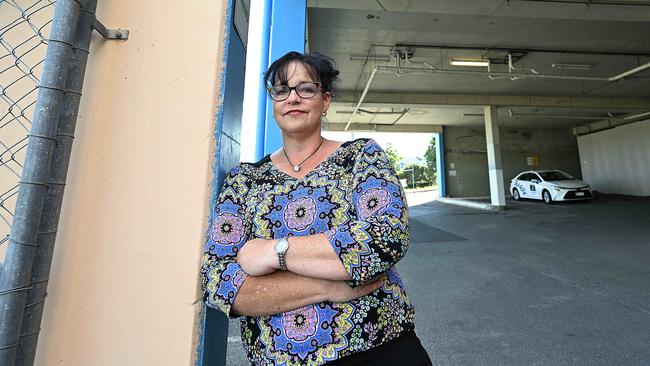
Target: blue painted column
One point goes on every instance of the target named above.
(288, 30)
(440, 163)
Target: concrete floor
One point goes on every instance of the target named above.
(565, 284)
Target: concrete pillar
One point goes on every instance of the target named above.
(495, 171)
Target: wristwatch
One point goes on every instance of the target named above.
(281, 247)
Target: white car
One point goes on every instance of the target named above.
(549, 186)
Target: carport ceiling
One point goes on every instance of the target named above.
(424, 35)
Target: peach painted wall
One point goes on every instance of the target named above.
(124, 284)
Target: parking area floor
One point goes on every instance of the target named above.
(565, 284)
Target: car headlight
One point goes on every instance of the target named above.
(556, 188)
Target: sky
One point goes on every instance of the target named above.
(408, 145)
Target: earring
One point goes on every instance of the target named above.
(324, 114)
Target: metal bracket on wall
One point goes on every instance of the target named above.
(121, 34)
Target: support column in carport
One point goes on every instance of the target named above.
(495, 170)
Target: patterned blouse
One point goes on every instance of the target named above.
(356, 199)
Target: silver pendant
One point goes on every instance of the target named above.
(296, 168)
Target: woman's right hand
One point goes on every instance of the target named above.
(340, 291)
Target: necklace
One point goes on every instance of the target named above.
(296, 167)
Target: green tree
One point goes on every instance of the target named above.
(431, 157)
(420, 173)
(393, 156)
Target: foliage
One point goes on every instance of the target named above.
(431, 157)
(422, 174)
(393, 156)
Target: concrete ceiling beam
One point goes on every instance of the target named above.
(358, 127)
(423, 99)
(625, 11)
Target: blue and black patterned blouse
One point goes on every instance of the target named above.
(356, 199)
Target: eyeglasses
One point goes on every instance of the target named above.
(304, 90)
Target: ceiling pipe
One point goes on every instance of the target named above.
(630, 72)
(511, 75)
(363, 96)
(401, 115)
(512, 68)
(373, 112)
(611, 123)
(512, 113)
(590, 2)
(636, 116)
(523, 50)
(484, 73)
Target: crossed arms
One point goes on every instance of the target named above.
(315, 274)
(241, 276)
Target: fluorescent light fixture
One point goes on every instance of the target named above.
(571, 66)
(417, 112)
(369, 58)
(468, 62)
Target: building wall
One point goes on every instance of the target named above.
(616, 160)
(465, 150)
(124, 286)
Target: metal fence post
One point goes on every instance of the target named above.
(54, 198)
(15, 281)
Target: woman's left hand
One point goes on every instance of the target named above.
(257, 257)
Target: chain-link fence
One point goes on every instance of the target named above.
(43, 54)
(24, 30)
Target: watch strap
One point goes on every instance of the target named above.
(283, 261)
(281, 253)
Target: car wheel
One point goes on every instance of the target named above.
(515, 194)
(547, 197)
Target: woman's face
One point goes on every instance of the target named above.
(296, 114)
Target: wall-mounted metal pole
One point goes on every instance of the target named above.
(15, 281)
(56, 182)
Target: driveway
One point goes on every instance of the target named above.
(565, 284)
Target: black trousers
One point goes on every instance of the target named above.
(405, 350)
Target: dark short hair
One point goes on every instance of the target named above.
(321, 69)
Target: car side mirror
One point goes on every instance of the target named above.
(534, 181)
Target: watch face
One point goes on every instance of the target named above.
(281, 246)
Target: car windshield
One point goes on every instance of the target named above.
(553, 176)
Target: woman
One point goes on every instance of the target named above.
(304, 242)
